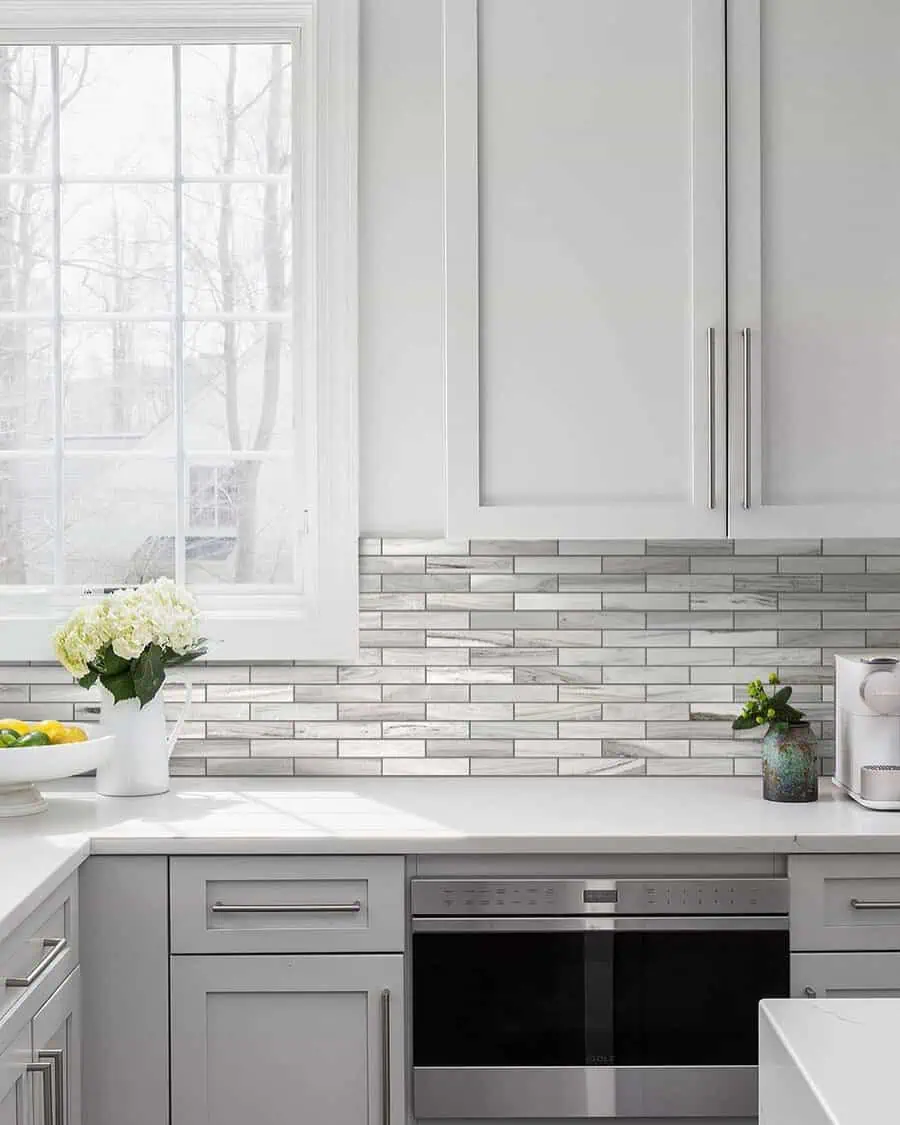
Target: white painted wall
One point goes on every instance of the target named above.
(400, 211)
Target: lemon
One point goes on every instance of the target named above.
(17, 725)
(53, 729)
(72, 734)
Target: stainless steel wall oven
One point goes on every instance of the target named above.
(573, 998)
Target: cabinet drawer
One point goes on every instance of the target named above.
(843, 976)
(845, 902)
(38, 956)
(287, 904)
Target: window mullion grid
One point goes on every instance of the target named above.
(178, 329)
(59, 559)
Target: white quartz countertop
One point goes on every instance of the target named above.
(423, 816)
(834, 1062)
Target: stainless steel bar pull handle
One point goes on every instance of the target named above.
(54, 947)
(57, 1059)
(748, 464)
(863, 904)
(287, 908)
(711, 392)
(45, 1070)
(386, 1057)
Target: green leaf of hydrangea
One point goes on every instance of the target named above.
(149, 673)
(121, 687)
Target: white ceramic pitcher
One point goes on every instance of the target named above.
(138, 765)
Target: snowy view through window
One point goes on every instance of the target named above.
(147, 390)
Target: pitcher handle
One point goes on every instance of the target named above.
(187, 680)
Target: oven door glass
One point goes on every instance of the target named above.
(519, 999)
(692, 999)
(593, 999)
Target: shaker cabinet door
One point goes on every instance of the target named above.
(15, 1082)
(585, 268)
(259, 1040)
(56, 1035)
(814, 263)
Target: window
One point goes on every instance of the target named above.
(177, 315)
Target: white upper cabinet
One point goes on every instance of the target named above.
(585, 267)
(814, 261)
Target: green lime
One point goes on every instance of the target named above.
(36, 738)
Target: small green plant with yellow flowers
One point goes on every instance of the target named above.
(762, 708)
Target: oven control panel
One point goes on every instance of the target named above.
(502, 897)
(703, 896)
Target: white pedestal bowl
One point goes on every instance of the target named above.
(22, 768)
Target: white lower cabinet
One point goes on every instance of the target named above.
(40, 1069)
(56, 1039)
(268, 1039)
(14, 1060)
(841, 976)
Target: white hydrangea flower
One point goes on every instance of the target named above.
(79, 641)
(130, 620)
(174, 615)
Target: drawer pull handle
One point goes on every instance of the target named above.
(54, 947)
(287, 908)
(57, 1060)
(45, 1070)
(862, 904)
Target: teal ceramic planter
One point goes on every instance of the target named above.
(789, 763)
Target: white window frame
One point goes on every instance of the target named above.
(322, 622)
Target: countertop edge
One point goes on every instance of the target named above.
(496, 845)
(434, 845)
(46, 883)
(777, 1030)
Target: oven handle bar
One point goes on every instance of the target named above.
(582, 924)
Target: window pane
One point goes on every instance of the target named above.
(120, 519)
(25, 110)
(236, 106)
(117, 248)
(239, 370)
(119, 385)
(27, 526)
(26, 235)
(237, 247)
(241, 521)
(121, 121)
(26, 384)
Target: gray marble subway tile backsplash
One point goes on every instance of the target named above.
(544, 658)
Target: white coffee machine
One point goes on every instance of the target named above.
(867, 729)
